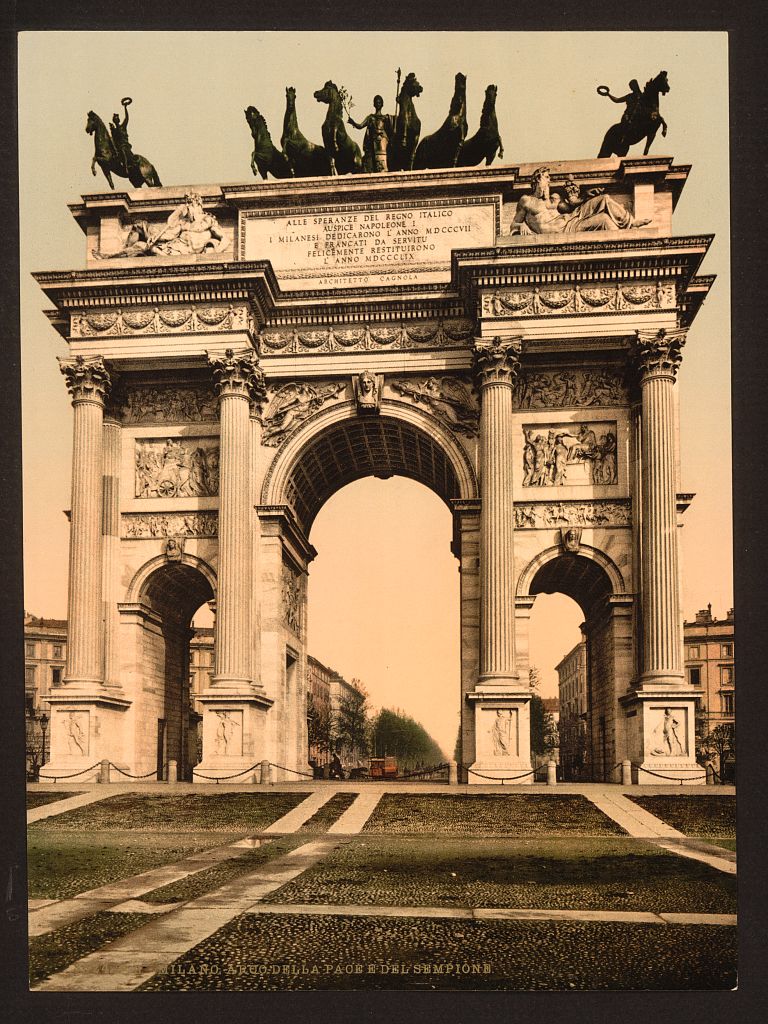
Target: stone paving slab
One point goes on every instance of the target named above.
(352, 820)
(294, 819)
(636, 821)
(70, 804)
(720, 860)
(64, 912)
(142, 907)
(121, 971)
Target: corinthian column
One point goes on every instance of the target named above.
(497, 365)
(88, 383)
(658, 356)
(239, 381)
(111, 542)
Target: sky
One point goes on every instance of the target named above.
(384, 587)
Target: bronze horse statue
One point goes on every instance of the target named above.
(266, 158)
(486, 141)
(641, 119)
(343, 152)
(402, 148)
(139, 172)
(442, 148)
(305, 158)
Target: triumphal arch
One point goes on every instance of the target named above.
(508, 336)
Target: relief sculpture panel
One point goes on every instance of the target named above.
(449, 333)
(291, 404)
(157, 404)
(624, 296)
(451, 400)
(192, 524)
(541, 515)
(177, 467)
(569, 389)
(292, 599)
(555, 456)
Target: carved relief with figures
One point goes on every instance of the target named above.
(569, 388)
(177, 467)
(144, 526)
(450, 399)
(579, 299)
(540, 515)
(560, 454)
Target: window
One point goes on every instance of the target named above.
(30, 650)
(693, 653)
(727, 651)
(694, 676)
(56, 676)
(29, 706)
(57, 650)
(727, 699)
(726, 675)
(30, 672)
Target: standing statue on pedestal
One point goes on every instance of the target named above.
(641, 118)
(407, 131)
(114, 153)
(378, 132)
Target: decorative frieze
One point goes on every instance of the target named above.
(451, 400)
(290, 405)
(177, 467)
(151, 403)
(292, 599)
(618, 296)
(554, 456)
(544, 515)
(201, 318)
(569, 389)
(144, 526)
(421, 334)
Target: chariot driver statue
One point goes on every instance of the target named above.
(119, 133)
(378, 132)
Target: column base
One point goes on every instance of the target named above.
(502, 736)
(233, 735)
(85, 729)
(661, 739)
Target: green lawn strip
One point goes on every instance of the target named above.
(330, 812)
(563, 874)
(41, 798)
(225, 812)
(62, 864)
(694, 815)
(226, 871)
(726, 844)
(507, 814)
(282, 952)
(51, 953)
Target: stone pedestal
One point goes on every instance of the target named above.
(86, 729)
(234, 728)
(661, 737)
(502, 737)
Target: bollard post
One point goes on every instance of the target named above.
(626, 773)
(266, 773)
(710, 775)
(551, 773)
(453, 774)
(104, 771)
(173, 771)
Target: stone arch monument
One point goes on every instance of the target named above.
(239, 353)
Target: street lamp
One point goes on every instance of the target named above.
(43, 727)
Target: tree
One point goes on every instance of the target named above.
(351, 726)
(573, 746)
(722, 741)
(319, 727)
(397, 734)
(534, 677)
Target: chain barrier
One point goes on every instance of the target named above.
(307, 775)
(223, 778)
(506, 778)
(423, 771)
(154, 771)
(673, 778)
(55, 778)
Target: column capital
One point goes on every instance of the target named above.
(87, 379)
(657, 353)
(238, 374)
(497, 361)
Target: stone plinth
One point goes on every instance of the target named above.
(502, 737)
(661, 736)
(233, 735)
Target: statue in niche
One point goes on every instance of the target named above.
(541, 212)
(291, 405)
(225, 732)
(367, 388)
(570, 538)
(378, 132)
(665, 737)
(501, 732)
(641, 118)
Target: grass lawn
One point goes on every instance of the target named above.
(282, 952)
(225, 812)
(63, 864)
(39, 799)
(469, 815)
(49, 954)
(694, 815)
(565, 873)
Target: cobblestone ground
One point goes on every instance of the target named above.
(489, 815)
(49, 954)
(39, 799)
(592, 874)
(281, 952)
(694, 815)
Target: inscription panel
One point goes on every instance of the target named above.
(354, 247)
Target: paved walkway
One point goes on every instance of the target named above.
(352, 820)
(294, 819)
(71, 803)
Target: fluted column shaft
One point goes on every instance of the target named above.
(88, 383)
(238, 381)
(111, 547)
(256, 545)
(497, 364)
(658, 357)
